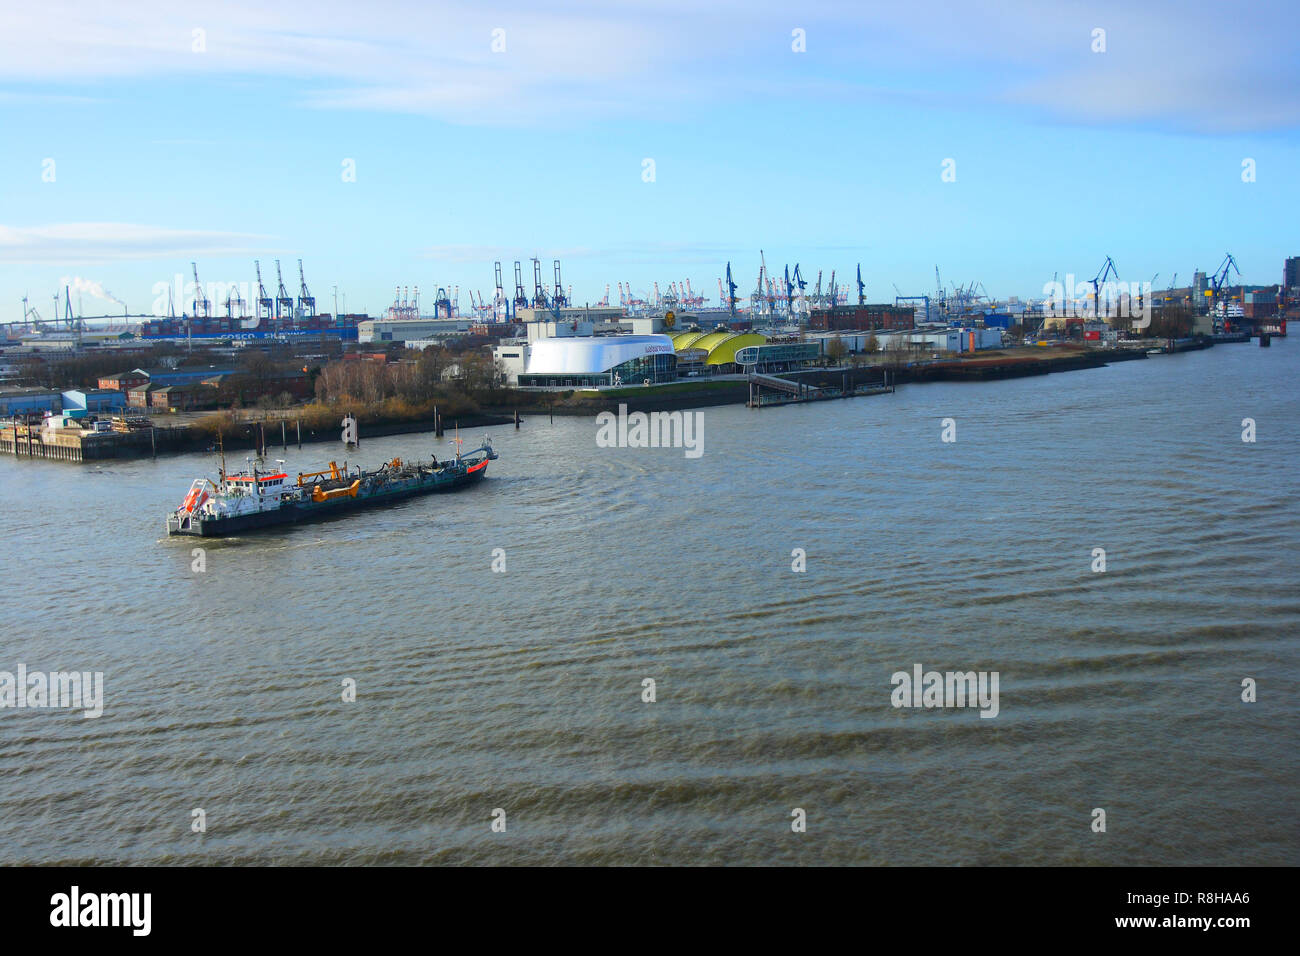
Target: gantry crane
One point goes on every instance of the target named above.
(265, 304)
(521, 297)
(306, 301)
(283, 300)
(202, 305)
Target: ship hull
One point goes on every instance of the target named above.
(306, 511)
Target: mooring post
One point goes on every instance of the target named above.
(516, 419)
(299, 423)
(153, 440)
(284, 434)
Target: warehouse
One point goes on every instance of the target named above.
(94, 399)
(15, 401)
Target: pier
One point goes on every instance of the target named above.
(26, 440)
(785, 391)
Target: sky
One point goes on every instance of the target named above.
(401, 144)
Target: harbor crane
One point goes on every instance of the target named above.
(862, 289)
(265, 304)
(521, 298)
(731, 293)
(561, 300)
(234, 301)
(283, 300)
(202, 305)
(1173, 283)
(1103, 275)
(499, 299)
(539, 292)
(1220, 277)
(306, 301)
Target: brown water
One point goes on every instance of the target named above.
(522, 690)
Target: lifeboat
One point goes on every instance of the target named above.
(194, 500)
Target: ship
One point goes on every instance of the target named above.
(261, 497)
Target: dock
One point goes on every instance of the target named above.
(771, 390)
(26, 439)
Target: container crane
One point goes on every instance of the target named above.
(731, 293)
(265, 304)
(521, 298)
(202, 305)
(499, 299)
(234, 301)
(306, 301)
(539, 293)
(561, 300)
(283, 301)
(862, 289)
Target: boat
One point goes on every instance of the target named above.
(262, 497)
(1155, 351)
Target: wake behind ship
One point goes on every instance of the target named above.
(255, 498)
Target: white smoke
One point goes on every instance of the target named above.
(90, 287)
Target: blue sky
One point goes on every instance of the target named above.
(829, 157)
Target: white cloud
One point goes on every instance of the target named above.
(1194, 64)
(78, 243)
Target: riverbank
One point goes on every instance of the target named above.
(30, 441)
(1008, 363)
(317, 423)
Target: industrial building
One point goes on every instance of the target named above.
(862, 318)
(18, 401)
(94, 400)
(595, 315)
(403, 330)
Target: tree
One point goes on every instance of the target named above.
(836, 350)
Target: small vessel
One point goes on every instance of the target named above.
(261, 497)
(1155, 351)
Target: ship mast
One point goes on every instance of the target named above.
(221, 447)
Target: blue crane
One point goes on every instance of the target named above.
(1221, 274)
(862, 289)
(731, 292)
(1107, 271)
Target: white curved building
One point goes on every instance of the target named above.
(600, 360)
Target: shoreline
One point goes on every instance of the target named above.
(184, 439)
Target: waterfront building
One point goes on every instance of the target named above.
(17, 401)
(94, 400)
(574, 361)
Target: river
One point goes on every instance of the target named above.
(522, 689)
